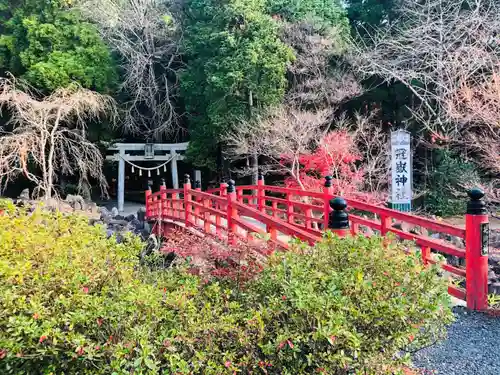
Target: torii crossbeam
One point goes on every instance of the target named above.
(135, 152)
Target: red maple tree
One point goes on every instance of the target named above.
(338, 156)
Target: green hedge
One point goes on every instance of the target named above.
(350, 304)
(74, 302)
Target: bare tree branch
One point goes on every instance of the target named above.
(438, 49)
(282, 131)
(317, 78)
(285, 136)
(447, 53)
(49, 136)
(374, 147)
(146, 37)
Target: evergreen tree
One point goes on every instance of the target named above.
(48, 44)
(367, 14)
(236, 65)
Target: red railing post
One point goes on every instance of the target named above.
(426, 254)
(476, 251)
(163, 201)
(385, 224)
(327, 191)
(148, 194)
(261, 193)
(223, 189)
(273, 233)
(176, 206)
(187, 199)
(232, 212)
(354, 229)
(339, 219)
(289, 208)
(197, 187)
(206, 216)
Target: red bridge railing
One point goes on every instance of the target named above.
(278, 213)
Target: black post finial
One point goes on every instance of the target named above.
(476, 205)
(261, 176)
(197, 184)
(150, 185)
(187, 179)
(163, 183)
(230, 186)
(328, 181)
(338, 219)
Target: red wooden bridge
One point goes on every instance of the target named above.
(280, 214)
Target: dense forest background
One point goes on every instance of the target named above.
(278, 85)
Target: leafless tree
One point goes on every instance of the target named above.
(318, 83)
(296, 133)
(315, 82)
(281, 131)
(318, 78)
(477, 104)
(48, 136)
(447, 53)
(437, 48)
(146, 37)
(373, 145)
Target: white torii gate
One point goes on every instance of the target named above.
(160, 152)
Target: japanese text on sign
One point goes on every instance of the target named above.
(401, 167)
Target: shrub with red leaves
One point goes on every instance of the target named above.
(211, 257)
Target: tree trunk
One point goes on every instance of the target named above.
(52, 146)
(255, 169)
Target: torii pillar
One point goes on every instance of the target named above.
(121, 181)
(159, 152)
(173, 169)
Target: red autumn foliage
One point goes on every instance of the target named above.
(211, 257)
(337, 156)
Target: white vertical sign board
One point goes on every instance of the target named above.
(401, 165)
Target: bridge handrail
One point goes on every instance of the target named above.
(269, 221)
(203, 195)
(288, 191)
(303, 218)
(363, 206)
(408, 218)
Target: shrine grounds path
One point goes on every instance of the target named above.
(472, 347)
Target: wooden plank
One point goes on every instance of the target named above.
(457, 292)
